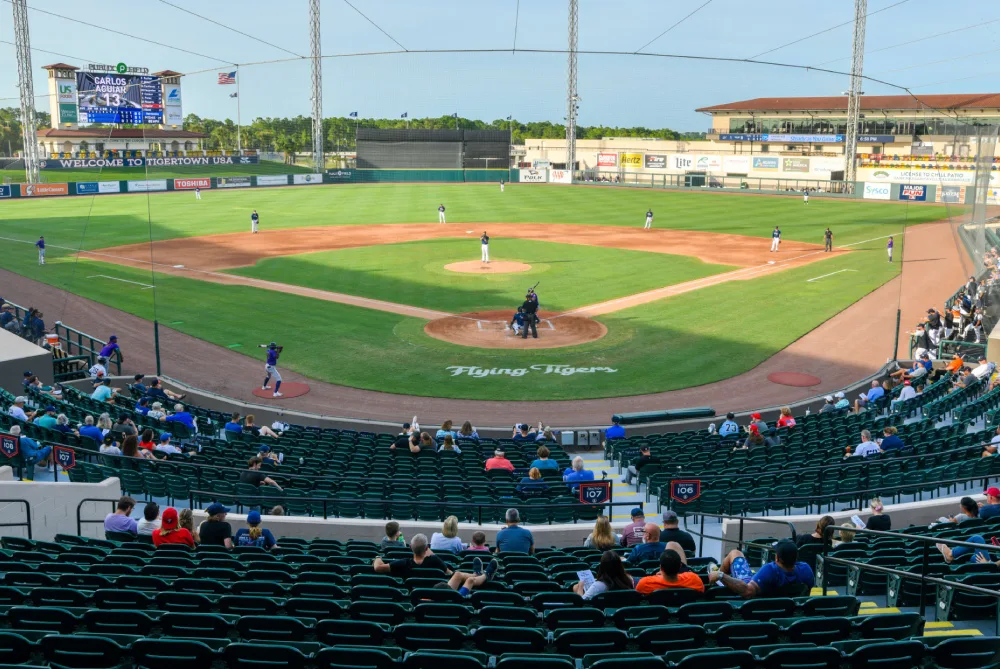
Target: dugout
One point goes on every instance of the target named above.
(379, 149)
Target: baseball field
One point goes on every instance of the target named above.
(363, 287)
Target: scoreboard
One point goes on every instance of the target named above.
(107, 97)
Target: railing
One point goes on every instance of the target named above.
(754, 184)
(80, 522)
(79, 343)
(27, 514)
(527, 509)
(739, 542)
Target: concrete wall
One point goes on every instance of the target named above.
(54, 505)
(18, 356)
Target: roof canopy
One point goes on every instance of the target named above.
(963, 101)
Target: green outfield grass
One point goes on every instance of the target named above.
(690, 339)
(124, 173)
(413, 273)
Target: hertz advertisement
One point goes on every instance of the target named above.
(632, 160)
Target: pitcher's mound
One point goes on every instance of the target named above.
(487, 329)
(494, 267)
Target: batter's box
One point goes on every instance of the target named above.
(502, 325)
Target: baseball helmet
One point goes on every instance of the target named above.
(272, 345)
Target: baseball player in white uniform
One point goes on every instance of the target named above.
(501, 185)
(441, 214)
(775, 238)
(485, 243)
(805, 196)
(649, 220)
(254, 221)
(197, 193)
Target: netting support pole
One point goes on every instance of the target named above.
(572, 99)
(26, 88)
(854, 95)
(315, 53)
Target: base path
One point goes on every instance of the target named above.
(490, 329)
(848, 347)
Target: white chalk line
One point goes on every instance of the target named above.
(146, 286)
(817, 278)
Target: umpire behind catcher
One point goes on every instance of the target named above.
(530, 309)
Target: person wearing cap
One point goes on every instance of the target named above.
(266, 455)
(828, 404)
(633, 533)
(7, 315)
(32, 452)
(171, 532)
(111, 347)
(841, 402)
(403, 438)
(142, 406)
(650, 548)
(137, 385)
(672, 533)
(499, 461)
(907, 393)
(48, 419)
(632, 473)
(785, 577)
(99, 369)
(729, 427)
(121, 520)
(17, 409)
(921, 367)
(984, 369)
(991, 507)
(616, 431)
(166, 447)
(255, 535)
(215, 531)
(759, 422)
(523, 432)
(27, 380)
(254, 476)
(156, 392)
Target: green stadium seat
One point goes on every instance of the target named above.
(350, 632)
(578, 643)
(967, 653)
(796, 658)
(888, 655)
(14, 648)
(81, 652)
(348, 657)
(718, 659)
(253, 656)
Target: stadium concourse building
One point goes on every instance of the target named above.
(901, 140)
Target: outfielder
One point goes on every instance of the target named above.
(501, 185)
(649, 220)
(888, 248)
(41, 250)
(485, 243)
(805, 196)
(775, 238)
(197, 193)
(441, 214)
(271, 367)
(254, 220)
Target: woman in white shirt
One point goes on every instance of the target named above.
(157, 412)
(447, 539)
(611, 575)
(105, 424)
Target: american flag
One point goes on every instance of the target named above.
(227, 77)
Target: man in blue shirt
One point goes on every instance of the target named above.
(729, 426)
(234, 424)
(992, 506)
(182, 416)
(616, 431)
(103, 391)
(137, 384)
(514, 538)
(874, 393)
(33, 453)
(142, 406)
(650, 548)
(785, 577)
(577, 473)
(88, 429)
(523, 433)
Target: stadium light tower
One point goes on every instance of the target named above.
(571, 96)
(855, 93)
(26, 86)
(317, 86)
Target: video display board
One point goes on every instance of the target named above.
(107, 97)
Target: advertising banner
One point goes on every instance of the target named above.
(272, 180)
(913, 193)
(80, 163)
(542, 164)
(708, 163)
(532, 176)
(825, 165)
(340, 175)
(119, 98)
(679, 161)
(68, 113)
(631, 160)
(95, 187)
(191, 184)
(560, 176)
(950, 194)
(307, 179)
(109, 187)
(172, 105)
(736, 164)
(607, 160)
(39, 190)
(766, 137)
(146, 185)
(232, 182)
(656, 161)
(174, 116)
(6, 191)
(795, 165)
(993, 196)
(905, 176)
(765, 164)
(876, 191)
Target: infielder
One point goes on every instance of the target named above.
(197, 193)
(41, 250)
(271, 367)
(441, 214)
(649, 220)
(485, 243)
(828, 240)
(775, 238)
(254, 220)
(888, 248)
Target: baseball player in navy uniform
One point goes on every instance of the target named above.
(271, 367)
(805, 196)
(441, 214)
(775, 238)
(888, 248)
(649, 220)
(41, 250)
(254, 220)
(197, 193)
(517, 322)
(485, 243)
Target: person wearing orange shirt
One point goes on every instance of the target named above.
(499, 461)
(670, 576)
(955, 364)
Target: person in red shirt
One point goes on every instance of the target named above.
(786, 420)
(146, 442)
(499, 461)
(670, 576)
(171, 532)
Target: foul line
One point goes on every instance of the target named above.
(146, 286)
(817, 278)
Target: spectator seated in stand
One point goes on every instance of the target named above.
(423, 557)
(875, 393)
(729, 427)
(447, 539)
(253, 476)
(577, 473)
(172, 530)
(254, 535)
(513, 538)
(671, 532)
(533, 484)
(610, 577)
(34, 455)
(616, 431)
(393, 537)
(650, 548)
(121, 520)
(499, 461)
(785, 577)
(670, 574)
(632, 473)
(523, 433)
(543, 461)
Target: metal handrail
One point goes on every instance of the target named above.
(739, 542)
(27, 514)
(79, 507)
(87, 345)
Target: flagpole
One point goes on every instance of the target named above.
(239, 139)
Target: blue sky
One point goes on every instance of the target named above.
(615, 90)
